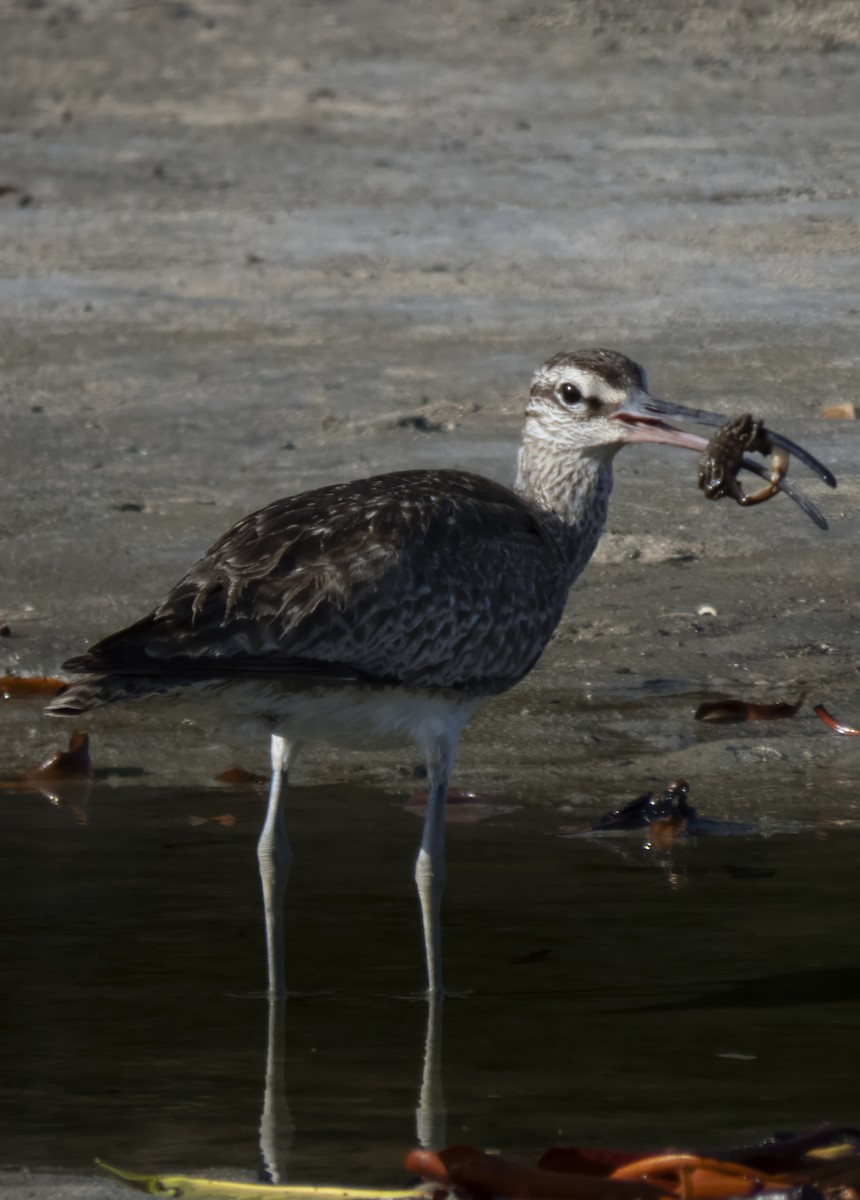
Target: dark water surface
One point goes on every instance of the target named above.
(612, 995)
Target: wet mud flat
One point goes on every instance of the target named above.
(258, 248)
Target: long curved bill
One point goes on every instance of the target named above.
(642, 416)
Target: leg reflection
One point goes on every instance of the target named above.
(430, 1114)
(276, 1122)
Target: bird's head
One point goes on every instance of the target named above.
(585, 405)
(594, 401)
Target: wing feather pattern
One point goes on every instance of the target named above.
(417, 578)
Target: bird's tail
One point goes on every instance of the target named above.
(98, 690)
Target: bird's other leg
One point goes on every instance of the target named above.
(430, 864)
(274, 857)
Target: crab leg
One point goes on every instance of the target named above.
(791, 489)
(779, 464)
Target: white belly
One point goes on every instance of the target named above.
(353, 717)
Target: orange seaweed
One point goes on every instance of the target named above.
(491, 1175)
(25, 687)
(71, 764)
(238, 775)
(831, 722)
(719, 711)
(695, 1178)
(829, 1159)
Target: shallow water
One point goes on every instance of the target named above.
(611, 995)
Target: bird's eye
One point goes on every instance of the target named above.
(569, 393)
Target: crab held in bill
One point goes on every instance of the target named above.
(726, 456)
(722, 461)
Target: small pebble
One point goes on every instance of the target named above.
(840, 412)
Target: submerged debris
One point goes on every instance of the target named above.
(669, 807)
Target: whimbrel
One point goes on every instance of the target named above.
(383, 611)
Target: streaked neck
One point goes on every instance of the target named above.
(572, 484)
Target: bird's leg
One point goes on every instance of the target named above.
(430, 864)
(274, 857)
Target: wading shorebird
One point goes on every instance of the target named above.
(383, 611)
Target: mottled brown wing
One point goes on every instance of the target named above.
(420, 578)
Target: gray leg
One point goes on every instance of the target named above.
(274, 857)
(430, 864)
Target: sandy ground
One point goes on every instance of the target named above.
(256, 247)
